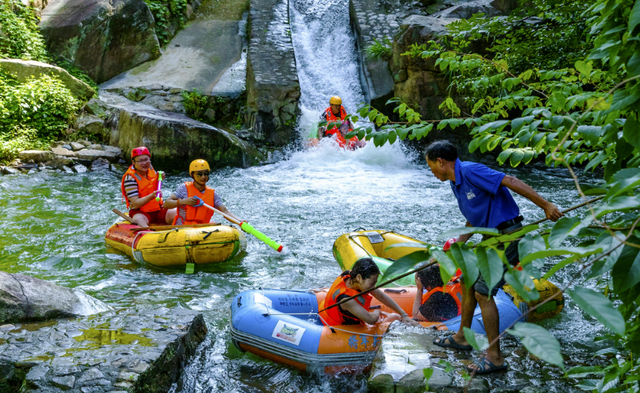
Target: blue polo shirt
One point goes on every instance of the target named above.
(481, 198)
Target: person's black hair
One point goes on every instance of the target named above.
(364, 267)
(442, 149)
(439, 307)
(430, 277)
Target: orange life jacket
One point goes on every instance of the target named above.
(334, 316)
(197, 215)
(452, 289)
(146, 186)
(335, 130)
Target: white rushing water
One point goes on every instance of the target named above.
(326, 59)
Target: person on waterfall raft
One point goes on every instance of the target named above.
(336, 114)
(434, 301)
(191, 196)
(362, 277)
(140, 188)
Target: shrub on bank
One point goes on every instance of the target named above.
(170, 16)
(43, 104)
(17, 139)
(20, 37)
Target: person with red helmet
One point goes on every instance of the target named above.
(140, 188)
(191, 196)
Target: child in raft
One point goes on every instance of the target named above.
(434, 303)
(363, 276)
(190, 198)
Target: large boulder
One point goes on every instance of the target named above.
(173, 138)
(101, 37)
(24, 70)
(24, 298)
(467, 10)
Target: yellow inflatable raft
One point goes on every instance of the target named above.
(178, 246)
(350, 247)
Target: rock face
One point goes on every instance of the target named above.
(25, 69)
(24, 298)
(174, 138)
(273, 89)
(101, 37)
(116, 351)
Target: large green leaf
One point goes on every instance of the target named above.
(634, 17)
(623, 181)
(608, 243)
(560, 265)
(561, 230)
(466, 260)
(582, 251)
(626, 271)
(463, 231)
(539, 342)
(479, 343)
(591, 134)
(618, 204)
(631, 134)
(530, 244)
(490, 265)
(406, 263)
(599, 307)
(447, 267)
(522, 283)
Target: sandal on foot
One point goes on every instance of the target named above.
(449, 342)
(482, 364)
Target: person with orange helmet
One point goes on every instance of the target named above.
(191, 196)
(336, 114)
(140, 191)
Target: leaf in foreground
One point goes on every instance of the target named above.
(599, 307)
(479, 343)
(539, 342)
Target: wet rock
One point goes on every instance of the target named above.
(85, 142)
(101, 37)
(64, 383)
(67, 169)
(95, 146)
(100, 165)
(23, 70)
(413, 382)
(96, 107)
(7, 170)
(79, 168)
(67, 146)
(62, 151)
(93, 155)
(382, 383)
(273, 88)
(24, 298)
(76, 146)
(59, 162)
(467, 10)
(90, 124)
(113, 149)
(35, 155)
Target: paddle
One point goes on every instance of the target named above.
(159, 192)
(248, 228)
(434, 262)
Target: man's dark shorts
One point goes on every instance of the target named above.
(156, 217)
(512, 256)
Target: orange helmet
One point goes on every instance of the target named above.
(140, 151)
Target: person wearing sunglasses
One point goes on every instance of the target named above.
(140, 188)
(191, 196)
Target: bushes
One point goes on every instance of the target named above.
(19, 34)
(17, 139)
(166, 13)
(379, 49)
(43, 104)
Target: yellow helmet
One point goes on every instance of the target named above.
(335, 100)
(198, 165)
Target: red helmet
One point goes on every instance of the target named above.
(140, 151)
(448, 244)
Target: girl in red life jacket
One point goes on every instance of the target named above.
(440, 302)
(363, 276)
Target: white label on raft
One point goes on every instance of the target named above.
(259, 298)
(288, 332)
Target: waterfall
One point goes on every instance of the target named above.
(326, 60)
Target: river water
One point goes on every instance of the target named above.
(54, 228)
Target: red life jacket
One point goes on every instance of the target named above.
(335, 130)
(452, 289)
(334, 316)
(197, 215)
(146, 186)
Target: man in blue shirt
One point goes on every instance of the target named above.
(485, 201)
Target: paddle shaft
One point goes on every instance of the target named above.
(228, 217)
(389, 281)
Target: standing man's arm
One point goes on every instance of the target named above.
(519, 187)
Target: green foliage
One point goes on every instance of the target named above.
(77, 72)
(44, 104)
(195, 104)
(166, 13)
(17, 139)
(20, 37)
(379, 49)
(137, 95)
